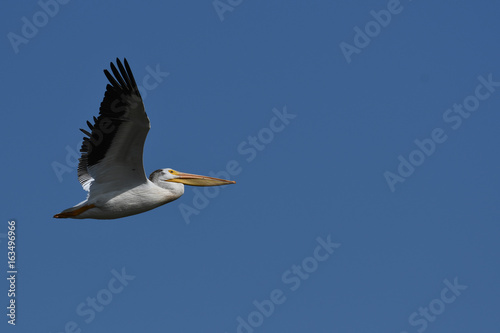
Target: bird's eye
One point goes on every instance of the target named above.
(171, 171)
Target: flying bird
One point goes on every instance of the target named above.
(110, 168)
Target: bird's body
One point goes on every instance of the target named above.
(111, 167)
(126, 201)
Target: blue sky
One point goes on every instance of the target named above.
(363, 136)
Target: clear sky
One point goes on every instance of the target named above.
(363, 136)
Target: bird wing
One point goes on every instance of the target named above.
(111, 153)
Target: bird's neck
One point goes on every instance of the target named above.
(172, 190)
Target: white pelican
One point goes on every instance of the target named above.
(110, 167)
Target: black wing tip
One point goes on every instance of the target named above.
(111, 79)
(118, 61)
(121, 76)
(85, 132)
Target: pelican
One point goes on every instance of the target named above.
(110, 168)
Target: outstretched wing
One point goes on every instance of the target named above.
(112, 150)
